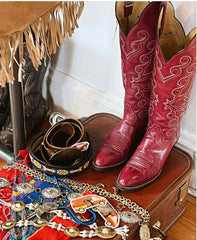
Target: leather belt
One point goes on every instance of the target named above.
(63, 150)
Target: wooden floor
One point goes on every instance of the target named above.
(185, 227)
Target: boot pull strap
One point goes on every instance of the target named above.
(128, 8)
(161, 18)
(123, 9)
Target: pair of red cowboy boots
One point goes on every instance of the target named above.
(158, 70)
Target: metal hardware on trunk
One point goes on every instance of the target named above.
(157, 226)
(182, 193)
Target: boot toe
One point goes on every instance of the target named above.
(132, 179)
(104, 161)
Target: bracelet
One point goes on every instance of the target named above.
(71, 231)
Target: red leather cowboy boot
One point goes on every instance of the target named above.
(172, 80)
(138, 27)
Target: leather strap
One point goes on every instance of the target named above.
(63, 135)
(128, 7)
(55, 151)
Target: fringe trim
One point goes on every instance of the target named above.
(42, 38)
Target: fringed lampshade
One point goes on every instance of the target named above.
(43, 26)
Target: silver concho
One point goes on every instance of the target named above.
(49, 206)
(4, 182)
(24, 188)
(46, 207)
(51, 192)
(129, 217)
(144, 232)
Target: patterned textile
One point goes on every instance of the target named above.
(12, 193)
(5, 195)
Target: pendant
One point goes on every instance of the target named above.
(144, 232)
(51, 192)
(25, 188)
(105, 232)
(4, 182)
(109, 214)
(99, 204)
(129, 217)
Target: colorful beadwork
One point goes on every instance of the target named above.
(61, 172)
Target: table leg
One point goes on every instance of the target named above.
(17, 116)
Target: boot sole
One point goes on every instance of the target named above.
(110, 167)
(137, 187)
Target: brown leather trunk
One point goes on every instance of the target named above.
(164, 198)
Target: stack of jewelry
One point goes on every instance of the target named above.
(8, 177)
(43, 205)
(32, 199)
(36, 199)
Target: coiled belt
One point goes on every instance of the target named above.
(64, 150)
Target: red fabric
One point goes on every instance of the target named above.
(25, 155)
(6, 195)
(52, 234)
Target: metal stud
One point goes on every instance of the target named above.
(105, 232)
(40, 223)
(18, 206)
(72, 231)
(4, 182)
(128, 217)
(8, 225)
